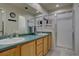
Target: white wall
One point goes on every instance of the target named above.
(76, 26)
(23, 24)
(12, 27)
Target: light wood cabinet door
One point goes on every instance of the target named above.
(50, 42)
(10, 52)
(28, 49)
(39, 47)
(45, 51)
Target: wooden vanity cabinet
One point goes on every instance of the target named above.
(11, 52)
(37, 47)
(28, 49)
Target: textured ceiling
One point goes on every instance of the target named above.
(22, 6)
(49, 7)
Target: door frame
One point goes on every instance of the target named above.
(73, 39)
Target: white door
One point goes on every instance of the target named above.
(64, 30)
(22, 24)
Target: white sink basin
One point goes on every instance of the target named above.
(11, 41)
(41, 34)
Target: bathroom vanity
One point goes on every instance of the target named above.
(33, 45)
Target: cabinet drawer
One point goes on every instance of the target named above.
(45, 45)
(40, 46)
(39, 49)
(40, 54)
(39, 41)
(45, 52)
(50, 42)
(46, 39)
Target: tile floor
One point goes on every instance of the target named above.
(58, 51)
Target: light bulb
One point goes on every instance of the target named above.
(55, 14)
(57, 5)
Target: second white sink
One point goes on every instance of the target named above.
(42, 34)
(11, 41)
